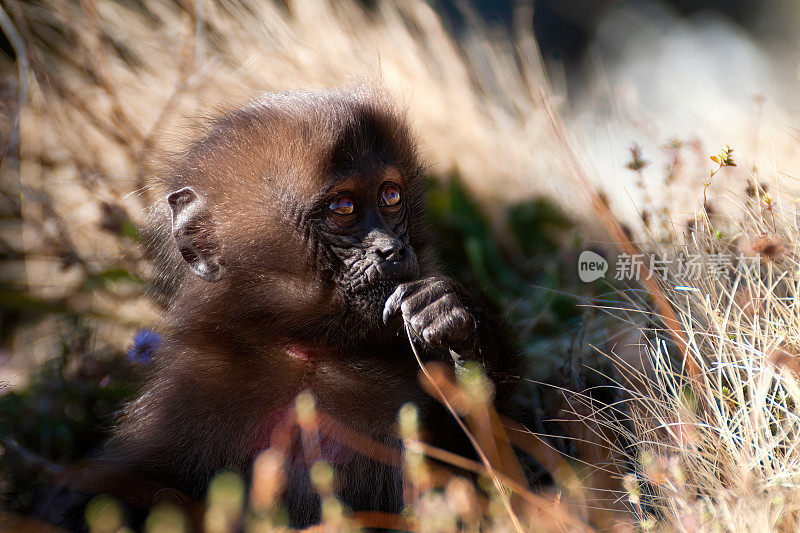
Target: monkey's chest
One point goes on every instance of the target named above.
(340, 413)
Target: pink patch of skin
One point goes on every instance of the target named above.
(298, 351)
(304, 352)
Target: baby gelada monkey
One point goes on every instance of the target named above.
(296, 242)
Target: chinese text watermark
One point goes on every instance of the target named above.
(685, 266)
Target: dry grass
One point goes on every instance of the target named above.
(712, 414)
(717, 449)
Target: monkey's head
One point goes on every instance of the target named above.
(300, 207)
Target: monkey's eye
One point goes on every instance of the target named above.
(391, 197)
(343, 205)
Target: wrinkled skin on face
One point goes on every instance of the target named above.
(369, 239)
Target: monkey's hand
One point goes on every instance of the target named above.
(436, 315)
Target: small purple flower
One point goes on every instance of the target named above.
(145, 344)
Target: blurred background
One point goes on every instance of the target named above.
(524, 111)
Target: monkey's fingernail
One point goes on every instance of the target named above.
(392, 304)
(389, 309)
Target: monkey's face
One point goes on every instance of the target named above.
(301, 212)
(363, 221)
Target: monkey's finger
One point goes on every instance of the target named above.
(425, 295)
(394, 301)
(452, 329)
(432, 286)
(431, 318)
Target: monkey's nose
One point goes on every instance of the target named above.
(389, 248)
(396, 263)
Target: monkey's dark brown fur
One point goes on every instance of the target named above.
(297, 229)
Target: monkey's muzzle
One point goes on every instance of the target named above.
(398, 270)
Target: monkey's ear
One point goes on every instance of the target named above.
(193, 231)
